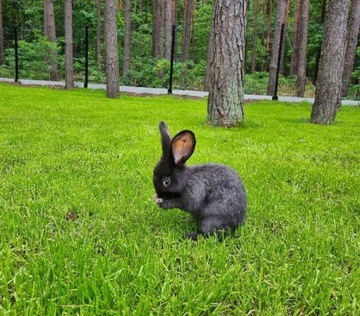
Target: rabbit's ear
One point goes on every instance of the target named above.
(183, 145)
(165, 139)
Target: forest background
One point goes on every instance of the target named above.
(148, 61)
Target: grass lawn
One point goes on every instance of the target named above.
(80, 234)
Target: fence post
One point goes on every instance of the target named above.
(275, 97)
(16, 54)
(172, 59)
(86, 56)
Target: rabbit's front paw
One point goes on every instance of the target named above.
(157, 199)
(164, 203)
(167, 202)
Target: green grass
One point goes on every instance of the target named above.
(80, 233)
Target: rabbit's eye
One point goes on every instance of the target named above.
(166, 182)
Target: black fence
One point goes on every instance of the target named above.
(28, 56)
(23, 61)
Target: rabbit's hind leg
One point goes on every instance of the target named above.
(212, 225)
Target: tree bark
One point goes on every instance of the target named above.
(50, 33)
(209, 56)
(98, 33)
(158, 27)
(318, 53)
(189, 7)
(254, 38)
(193, 34)
(302, 40)
(69, 70)
(295, 50)
(328, 86)
(283, 49)
(127, 38)
(2, 45)
(226, 63)
(280, 19)
(351, 42)
(269, 18)
(111, 50)
(170, 13)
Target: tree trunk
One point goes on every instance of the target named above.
(175, 17)
(269, 18)
(69, 70)
(283, 49)
(254, 38)
(111, 50)
(352, 36)
(50, 33)
(127, 38)
(209, 55)
(193, 35)
(2, 45)
(98, 33)
(295, 50)
(158, 28)
(328, 86)
(302, 38)
(170, 13)
(226, 61)
(189, 7)
(318, 53)
(280, 19)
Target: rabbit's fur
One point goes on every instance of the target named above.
(213, 193)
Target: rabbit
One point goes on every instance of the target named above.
(213, 193)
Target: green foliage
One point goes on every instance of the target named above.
(80, 233)
(356, 72)
(143, 73)
(145, 70)
(256, 83)
(355, 91)
(35, 57)
(7, 70)
(203, 14)
(149, 72)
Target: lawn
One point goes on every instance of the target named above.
(80, 233)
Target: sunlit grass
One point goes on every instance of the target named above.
(80, 233)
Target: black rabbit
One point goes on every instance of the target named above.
(213, 193)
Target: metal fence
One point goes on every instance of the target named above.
(28, 56)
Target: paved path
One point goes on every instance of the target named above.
(161, 91)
